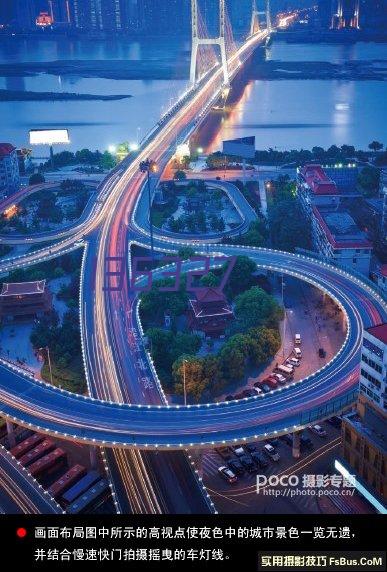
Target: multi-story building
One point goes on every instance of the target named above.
(9, 170)
(346, 14)
(364, 434)
(110, 16)
(383, 194)
(59, 11)
(25, 14)
(335, 234)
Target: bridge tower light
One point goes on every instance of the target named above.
(255, 26)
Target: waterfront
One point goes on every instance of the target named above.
(280, 113)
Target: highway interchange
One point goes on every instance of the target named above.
(129, 417)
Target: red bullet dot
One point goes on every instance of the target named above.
(21, 532)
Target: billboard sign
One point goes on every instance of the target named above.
(49, 136)
(243, 147)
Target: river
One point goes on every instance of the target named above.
(281, 114)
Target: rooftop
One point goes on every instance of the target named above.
(318, 180)
(210, 295)
(23, 288)
(340, 228)
(372, 427)
(6, 149)
(379, 332)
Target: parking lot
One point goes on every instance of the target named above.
(241, 496)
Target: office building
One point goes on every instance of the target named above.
(25, 14)
(364, 431)
(9, 170)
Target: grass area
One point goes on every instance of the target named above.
(71, 377)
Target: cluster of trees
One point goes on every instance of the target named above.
(56, 268)
(368, 181)
(63, 341)
(206, 376)
(254, 333)
(301, 156)
(288, 225)
(105, 160)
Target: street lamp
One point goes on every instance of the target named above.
(49, 361)
(184, 386)
(149, 167)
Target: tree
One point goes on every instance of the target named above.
(288, 225)
(108, 161)
(186, 252)
(375, 146)
(179, 175)
(36, 179)
(368, 180)
(188, 373)
(241, 278)
(233, 362)
(256, 308)
(212, 372)
(264, 344)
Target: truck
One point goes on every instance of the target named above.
(65, 481)
(80, 487)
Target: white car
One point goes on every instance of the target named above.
(239, 451)
(297, 339)
(271, 452)
(297, 352)
(227, 474)
(258, 390)
(318, 430)
(293, 361)
(280, 378)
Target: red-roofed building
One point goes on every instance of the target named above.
(317, 180)
(9, 170)
(209, 312)
(21, 300)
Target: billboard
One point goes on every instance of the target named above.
(49, 136)
(243, 147)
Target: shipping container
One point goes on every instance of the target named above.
(26, 445)
(66, 481)
(80, 487)
(89, 497)
(42, 449)
(46, 463)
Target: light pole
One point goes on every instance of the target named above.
(149, 167)
(49, 361)
(184, 386)
(284, 322)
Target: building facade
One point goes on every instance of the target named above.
(9, 170)
(335, 235)
(24, 300)
(209, 313)
(364, 432)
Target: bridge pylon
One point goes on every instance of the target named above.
(220, 41)
(255, 26)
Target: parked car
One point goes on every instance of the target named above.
(318, 430)
(288, 439)
(280, 378)
(227, 474)
(273, 442)
(297, 339)
(335, 421)
(306, 442)
(250, 447)
(297, 352)
(224, 452)
(285, 370)
(322, 353)
(239, 451)
(258, 391)
(271, 453)
(294, 362)
(259, 460)
(265, 388)
(248, 464)
(236, 467)
(247, 393)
